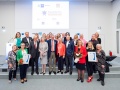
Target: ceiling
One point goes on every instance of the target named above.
(70, 0)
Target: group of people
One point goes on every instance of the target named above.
(60, 50)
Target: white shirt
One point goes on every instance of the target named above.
(67, 43)
(24, 52)
(27, 39)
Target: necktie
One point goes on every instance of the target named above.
(52, 45)
(35, 45)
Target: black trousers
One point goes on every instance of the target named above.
(89, 66)
(101, 76)
(36, 63)
(12, 74)
(94, 67)
(69, 62)
(23, 70)
(60, 63)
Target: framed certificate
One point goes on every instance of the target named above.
(26, 58)
(92, 57)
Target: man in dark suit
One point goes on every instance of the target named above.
(27, 40)
(69, 54)
(52, 51)
(34, 45)
(66, 34)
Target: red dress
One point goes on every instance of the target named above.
(82, 61)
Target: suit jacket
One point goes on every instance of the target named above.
(70, 48)
(19, 54)
(50, 45)
(83, 52)
(34, 51)
(66, 40)
(24, 40)
(61, 49)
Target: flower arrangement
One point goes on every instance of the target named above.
(78, 56)
(20, 61)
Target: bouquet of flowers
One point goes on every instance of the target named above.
(20, 61)
(77, 57)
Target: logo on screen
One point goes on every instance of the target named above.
(42, 5)
(44, 13)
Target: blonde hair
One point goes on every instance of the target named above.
(76, 36)
(78, 42)
(92, 47)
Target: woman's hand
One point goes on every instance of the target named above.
(103, 66)
(10, 65)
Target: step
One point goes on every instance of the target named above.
(112, 74)
(4, 68)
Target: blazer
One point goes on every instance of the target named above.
(70, 48)
(61, 50)
(34, 51)
(83, 51)
(12, 60)
(49, 47)
(99, 40)
(24, 40)
(66, 39)
(19, 54)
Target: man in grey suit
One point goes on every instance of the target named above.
(52, 50)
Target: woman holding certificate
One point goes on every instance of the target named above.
(89, 65)
(80, 53)
(22, 66)
(101, 63)
(43, 48)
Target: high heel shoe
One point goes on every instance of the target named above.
(22, 81)
(41, 73)
(25, 80)
(58, 71)
(78, 79)
(82, 80)
(89, 79)
(44, 73)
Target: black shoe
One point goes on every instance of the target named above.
(70, 72)
(82, 80)
(41, 73)
(54, 73)
(99, 79)
(66, 71)
(78, 79)
(102, 83)
(37, 73)
(44, 73)
(49, 73)
(61, 72)
(58, 71)
(32, 73)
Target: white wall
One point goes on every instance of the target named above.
(99, 14)
(115, 11)
(7, 19)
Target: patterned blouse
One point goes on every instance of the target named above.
(101, 61)
(12, 60)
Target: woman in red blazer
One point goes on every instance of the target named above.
(79, 48)
(61, 55)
